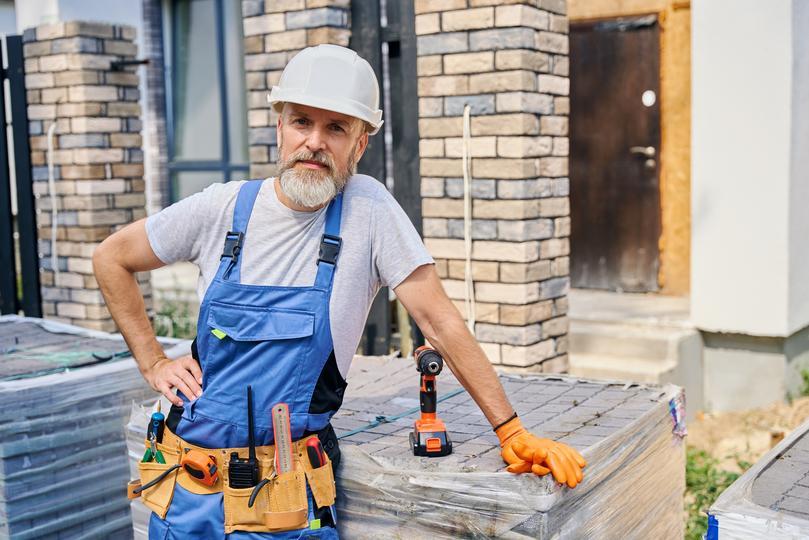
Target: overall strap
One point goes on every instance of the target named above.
(230, 262)
(330, 244)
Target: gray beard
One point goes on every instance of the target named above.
(309, 190)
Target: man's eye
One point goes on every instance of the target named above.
(337, 127)
(301, 121)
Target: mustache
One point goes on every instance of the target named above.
(317, 157)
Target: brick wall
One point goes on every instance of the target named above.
(97, 157)
(509, 62)
(274, 31)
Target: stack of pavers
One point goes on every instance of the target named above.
(65, 393)
(631, 435)
(771, 499)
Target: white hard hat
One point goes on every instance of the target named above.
(333, 78)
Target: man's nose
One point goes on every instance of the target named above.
(315, 141)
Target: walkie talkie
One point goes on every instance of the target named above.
(243, 473)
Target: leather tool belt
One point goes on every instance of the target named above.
(279, 506)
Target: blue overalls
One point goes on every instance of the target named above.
(277, 339)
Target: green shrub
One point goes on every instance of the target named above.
(175, 319)
(704, 482)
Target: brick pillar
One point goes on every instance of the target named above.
(510, 64)
(97, 156)
(274, 31)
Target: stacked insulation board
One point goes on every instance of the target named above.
(65, 393)
(631, 436)
(771, 499)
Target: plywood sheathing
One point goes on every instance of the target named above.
(675, 118)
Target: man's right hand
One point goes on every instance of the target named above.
(183, 373)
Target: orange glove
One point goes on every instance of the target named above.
(525, 452)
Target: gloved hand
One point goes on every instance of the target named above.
(525, 452)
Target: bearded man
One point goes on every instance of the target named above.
(283, 307)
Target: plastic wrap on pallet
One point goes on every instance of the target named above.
(753, 507)
(633, 487)
(62, 467)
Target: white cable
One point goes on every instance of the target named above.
(54, 211)
(469, 292)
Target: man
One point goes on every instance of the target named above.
(284, 305)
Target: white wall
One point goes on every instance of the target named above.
(742, 150)
(799, 192)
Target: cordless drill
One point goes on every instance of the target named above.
(429, 437)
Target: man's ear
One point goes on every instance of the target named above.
(362, 144)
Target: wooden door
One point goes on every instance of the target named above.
(614, 154)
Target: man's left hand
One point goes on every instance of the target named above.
(524, 452)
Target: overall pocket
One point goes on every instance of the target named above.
(239, 516)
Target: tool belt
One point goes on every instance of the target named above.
(279, 505)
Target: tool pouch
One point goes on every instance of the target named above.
(158, 497)
(279, 506)
(321, 482)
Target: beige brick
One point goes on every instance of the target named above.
(443, 85)
(41, 112)
(274, 6)
(50, 31)
(431, 107)
(97, 312)
(441, 127)
(327, 35)
(80, 265)
(554, 247)
(97, 155)
(505, 168)
(522, 15)
(427, 6)
(524, 102)
(442, 207)
(506, 209)
(505, 124)
(520, 147)
(554, 207)
(526, 313)
(558, 364)
(441, 268)
(553, 84)
(91, 187)
(507, 293)
(285, 41)
(525, 272)
(469, 63)
(54, 95)
(467, 19)
(123, 109)
(81, 61)
(553, 166)
(441, 167)
(70, 309)
(554, 327)
(553, 125)
(264, 24)
(95, 125)
(560, 267)
(39, 80)
(484, 311)
(130, 200)
(561, 105)
(90, 28)
(478, 147)
(455, 289)
(103, 217)
(432, 187)
(93, 93)
(561, 227)
(127, 170)
(551, 42)
(428, 23)
(485, 250)
(82, 202)
(502, 81)
(492, 352)
(83, 296)
(71, 78)
(431, 148)
(481, 271)
(521, 59)
(519, 356)
(428, 65)
(69, 280)
(445, 248)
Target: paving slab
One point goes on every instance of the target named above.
(771, 499)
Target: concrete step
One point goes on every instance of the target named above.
(623, 340)
(642, 370)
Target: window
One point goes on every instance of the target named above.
(205, 94)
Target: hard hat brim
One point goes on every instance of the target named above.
(278, 97)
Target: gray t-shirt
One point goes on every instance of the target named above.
(380, 247)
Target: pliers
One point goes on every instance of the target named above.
(152, 452)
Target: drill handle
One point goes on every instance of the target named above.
(428, 397)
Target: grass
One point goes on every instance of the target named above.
(704, 482)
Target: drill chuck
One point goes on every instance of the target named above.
(429, 362)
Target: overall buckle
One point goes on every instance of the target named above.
(329, 249)
(233, 245)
